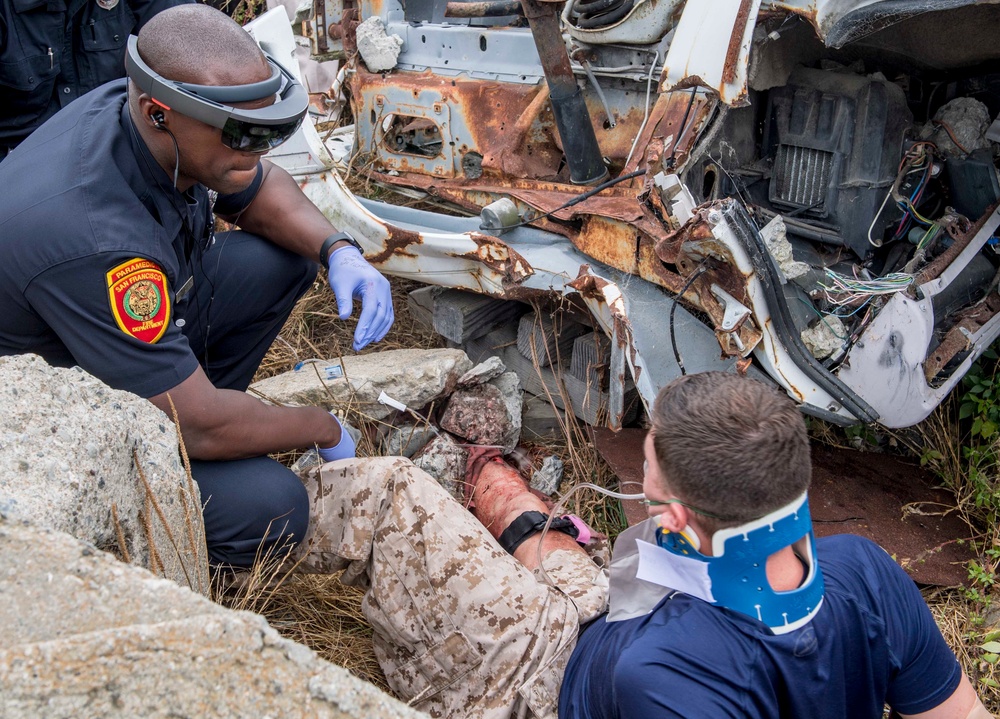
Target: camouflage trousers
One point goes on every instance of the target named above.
(462, 629)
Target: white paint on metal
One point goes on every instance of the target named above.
(770, 352)
(701, 44)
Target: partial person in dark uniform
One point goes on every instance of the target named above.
(111, 262)
(53, 52)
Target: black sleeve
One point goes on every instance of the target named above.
(75, 300)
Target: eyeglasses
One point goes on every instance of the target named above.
(257, 130)
(665, 502)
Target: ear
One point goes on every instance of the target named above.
(674, 517)
(151, 112)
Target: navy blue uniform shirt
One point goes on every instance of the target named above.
(54, 51)
(98, 249)
(873, 641)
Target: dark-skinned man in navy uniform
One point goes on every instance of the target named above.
(111, 262)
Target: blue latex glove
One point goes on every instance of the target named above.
(352, 278)
(343, 449)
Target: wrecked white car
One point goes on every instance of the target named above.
(803, 190)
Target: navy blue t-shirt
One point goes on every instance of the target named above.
(873, 642)
(99, 249)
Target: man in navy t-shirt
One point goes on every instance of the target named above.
(768, 622)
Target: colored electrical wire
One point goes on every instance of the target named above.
(843, 291)
(944, 126)
(823, 318)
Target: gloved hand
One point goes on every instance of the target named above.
(343, 449)
(352, 278)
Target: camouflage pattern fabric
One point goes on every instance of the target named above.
(462, 629)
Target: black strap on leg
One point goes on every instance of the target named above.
(530, 523)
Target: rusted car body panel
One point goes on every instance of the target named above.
(752, 149)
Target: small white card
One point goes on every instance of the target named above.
(686, 575)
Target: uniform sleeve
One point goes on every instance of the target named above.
(127, 350)
(928, 671)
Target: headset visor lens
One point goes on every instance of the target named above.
(252, 137)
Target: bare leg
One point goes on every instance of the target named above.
(499, 497)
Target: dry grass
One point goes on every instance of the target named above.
(967, 629)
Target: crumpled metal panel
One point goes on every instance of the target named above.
(711, 48)
(890, 361)
(528, 263)
(838, 23)
(499, 121)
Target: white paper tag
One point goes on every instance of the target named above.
(661, 567)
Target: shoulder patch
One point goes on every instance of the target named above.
(139, 299)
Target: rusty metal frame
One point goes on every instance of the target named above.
(620, 253)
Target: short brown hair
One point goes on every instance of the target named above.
(733, 447)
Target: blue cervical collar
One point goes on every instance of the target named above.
(737, 570)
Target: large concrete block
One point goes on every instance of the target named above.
(75, 453)
(565, 390)
(88, 636)
(414, 377)
(547, 341)
(460, 316)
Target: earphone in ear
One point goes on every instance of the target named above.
(158, 120)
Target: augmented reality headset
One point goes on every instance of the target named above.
(257, 130)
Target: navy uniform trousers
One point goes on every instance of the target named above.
(244, 290)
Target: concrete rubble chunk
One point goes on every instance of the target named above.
(825, 337)
(69, 450)
(413, 377)
(509, 385)
(88, 636)
(967, 118)
(444, 459)
(775, 237)
(408, 439)
(546, 478)
(378, 50)
(488, 369)
(488, 414)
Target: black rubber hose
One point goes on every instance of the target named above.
(589, 7)
(608, 18)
